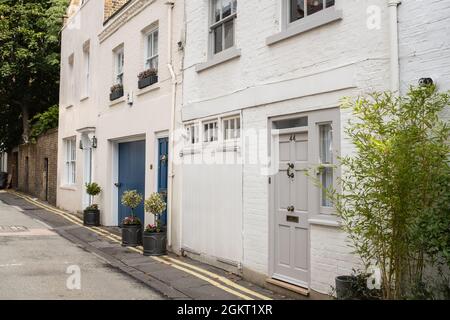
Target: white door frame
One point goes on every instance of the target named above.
(314, 117)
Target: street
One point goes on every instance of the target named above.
(36, 263)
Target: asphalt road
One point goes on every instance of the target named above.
(36, 263)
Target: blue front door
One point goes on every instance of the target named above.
(131, 175)
(163, 156)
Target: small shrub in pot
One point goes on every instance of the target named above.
(155, 236)
(91, 215)
(131, 225)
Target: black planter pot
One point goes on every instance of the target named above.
(91, 217)
(147, 82)
(345, 288)
(154, 243)
(116, 94)
(131, 235)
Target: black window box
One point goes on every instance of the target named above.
(116, 95)
(147, 82)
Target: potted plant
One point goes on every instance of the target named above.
(91, 215)
(116, 92)
(356, 287)
(147, 78)
(155, 238)
(131, 225)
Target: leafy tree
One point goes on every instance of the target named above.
(44, 121)
(29, 63)
(394, 200)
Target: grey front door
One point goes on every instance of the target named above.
(291, 226)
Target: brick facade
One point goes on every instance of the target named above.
(37, 165)
(112, 6)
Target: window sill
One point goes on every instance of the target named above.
(306, 24)
(224, 56)
(151, 88)
(69, 106)
(68, 187)
(325, 220)
(117, 101)
(84, 98)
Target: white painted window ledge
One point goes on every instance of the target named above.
(325, 222)
(151, 88)
(219, 58)
(117, 101)
(308, 23)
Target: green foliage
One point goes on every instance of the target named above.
(156, 205)
(132, 199)
(29, 63)
(93, 189)
(44, 121)
(394, 200)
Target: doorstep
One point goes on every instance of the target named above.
(172, 276)
(288, 286)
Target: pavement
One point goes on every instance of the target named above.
(42, 250)
(37, 263)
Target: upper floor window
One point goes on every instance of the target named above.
(326, 162)
(87, 67)
(119, 63)
(222, 27)
(298, 9)
(151, 56)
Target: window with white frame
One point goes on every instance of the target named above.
(192, 133)
(326, 162)
(210, 131)
(119, 57)
(231, 128)
(71, 82)
(70, 160)
(87, 67)
(299, 9)
(151, 54)
(222, 26)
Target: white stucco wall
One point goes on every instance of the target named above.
(309, 71)
(117, 121)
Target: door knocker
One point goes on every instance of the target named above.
(290, 174)
(163, 158)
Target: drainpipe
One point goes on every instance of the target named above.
(173, 76)
(394, 46)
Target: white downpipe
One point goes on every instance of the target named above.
(394, 45)
(172, 122)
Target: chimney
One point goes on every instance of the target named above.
(112, 6)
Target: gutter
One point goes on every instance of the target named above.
(394, 45)
(173, 76)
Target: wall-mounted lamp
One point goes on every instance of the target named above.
(423, 82)
(94, 142)
(81, 144)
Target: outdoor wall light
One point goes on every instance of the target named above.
(423, 82)
(81, 144)
(94, 142)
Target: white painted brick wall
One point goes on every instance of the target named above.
(363, 53)
(424, 29)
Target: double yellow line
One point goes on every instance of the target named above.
(205, 275)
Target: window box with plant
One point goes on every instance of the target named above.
(155, 236)
(147, 78)
(116, 92)
(91, 215)
(131, 225)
